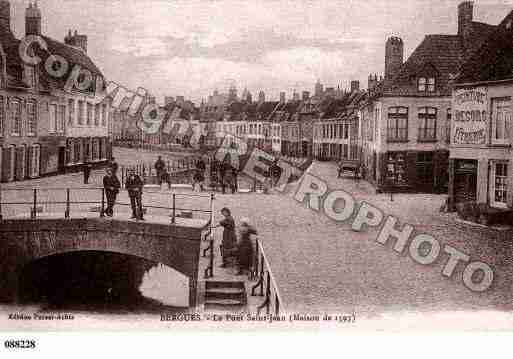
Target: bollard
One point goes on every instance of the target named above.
(34, 209)
(102, 210)
(66, 214)
(173, 216)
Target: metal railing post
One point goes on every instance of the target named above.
(1, 216)
(268, 293)
(211, 259)
(66, 214)
(34, 208)
(173, 215)
(262, 274)
(102, 210)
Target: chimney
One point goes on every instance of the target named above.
(32, 20)
(355, 86)
(465, 17)
(282, 97)
(306, 95)
(372, 82)
(5, 15)
(394, 53)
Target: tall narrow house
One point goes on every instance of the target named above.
(405, 130)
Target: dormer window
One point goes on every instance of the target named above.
(426, 84)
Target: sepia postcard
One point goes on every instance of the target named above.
(172, 165)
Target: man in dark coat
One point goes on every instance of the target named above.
(114, 166)
(134, 186)
(160, 167)
(86, 168)
(112, 186)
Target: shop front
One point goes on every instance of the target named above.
(481, 176)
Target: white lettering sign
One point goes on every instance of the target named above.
(470, 116)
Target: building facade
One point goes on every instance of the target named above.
(39, 121)
(411, 109)
(480, 165)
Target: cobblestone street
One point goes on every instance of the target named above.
(324, 266)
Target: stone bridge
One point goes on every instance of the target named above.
(25, 240)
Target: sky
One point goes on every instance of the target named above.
(191, 47)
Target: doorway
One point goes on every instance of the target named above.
(465, 181)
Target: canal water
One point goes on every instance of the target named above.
(100, 282)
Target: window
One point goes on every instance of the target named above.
(501, 119)
(89, 114)
(397, 124)
(16, 119)
(35, 161)
(396, 168)
(97, 115)
(2, 116)
(12, 164)
(346, 131)
(498, 184)
(80, 112)
(95, 153)
(427, 123)
(61, 119)
(71, 112)
(448, 126)
(31, 118)
(77, 151)
(426, 84)
(53, 118)
(104, 115)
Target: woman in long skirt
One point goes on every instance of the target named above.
(229, 242)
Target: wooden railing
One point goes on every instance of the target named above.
(263, 274)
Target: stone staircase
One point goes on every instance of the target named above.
(225, 295)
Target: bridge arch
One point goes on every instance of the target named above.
(23, 241)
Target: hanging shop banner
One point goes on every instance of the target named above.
(470, 116)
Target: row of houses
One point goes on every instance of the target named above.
(45, 126)
(399, 128)
(437, 121)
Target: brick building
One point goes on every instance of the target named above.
(38, 123)
(410, 110)
(482, 125)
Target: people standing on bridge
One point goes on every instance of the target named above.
(214, 178)
(113, 165)
(235, 179)
(111, 185)
(229, 242)
(199, 174)
(86, 169)
(160, 167)
(245, 247)
(134, 186)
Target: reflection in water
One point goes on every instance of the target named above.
(101, 282)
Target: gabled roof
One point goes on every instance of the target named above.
(15, 65)
(73, 54)
(443, 54)
(494, 60)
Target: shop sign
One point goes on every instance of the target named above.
(470, 116)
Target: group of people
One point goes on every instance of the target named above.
(133, 184)
(223, 175)
(242, 249)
